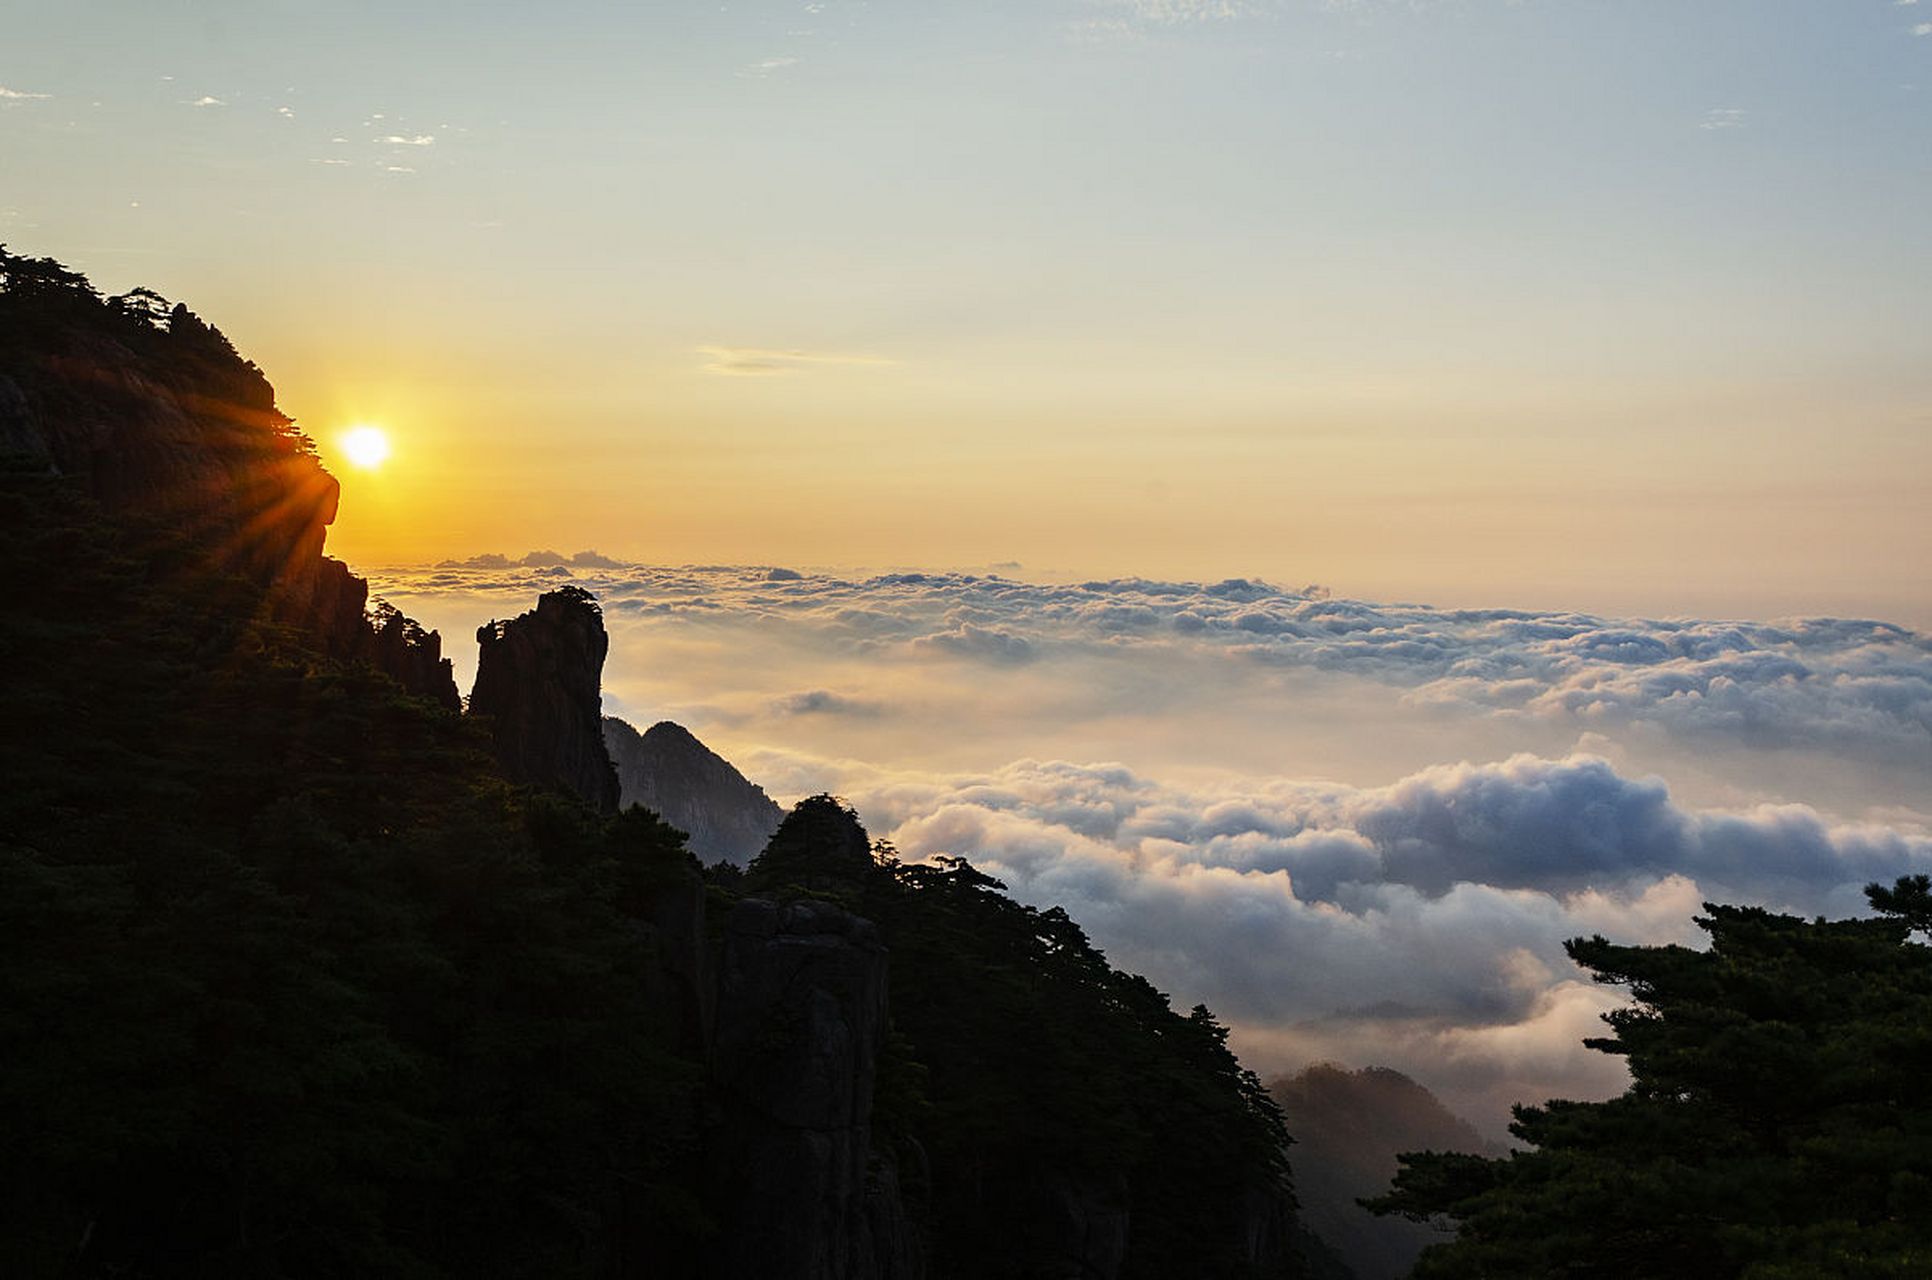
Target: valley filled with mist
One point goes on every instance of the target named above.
(1360, 832)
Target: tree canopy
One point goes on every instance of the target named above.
(1778, 1122)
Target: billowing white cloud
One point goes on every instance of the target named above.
(969, 640)
(1385, 924)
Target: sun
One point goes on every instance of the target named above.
(365, 446)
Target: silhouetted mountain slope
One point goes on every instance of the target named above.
(153, 414)
(667, 770)
(1349, 1126)
(295, 982)
(290, 982)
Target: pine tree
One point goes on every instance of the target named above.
(1777, 1123)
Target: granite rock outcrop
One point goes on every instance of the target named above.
(538, 687)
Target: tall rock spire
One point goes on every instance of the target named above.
(537, 681)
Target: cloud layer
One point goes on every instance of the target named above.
(1849, 684)
(1356, 830)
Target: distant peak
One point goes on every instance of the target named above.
(671, 730)
(667, 769)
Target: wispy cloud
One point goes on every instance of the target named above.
(1133, 21)
(1923, 29)
(765, 66)
(1722, 118)
(20, 95)
(824, 702)
(764, 361)
(1174, 12)
(410, 140)
(206, 100)
(1105, 31)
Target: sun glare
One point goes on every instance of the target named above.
(365, 446)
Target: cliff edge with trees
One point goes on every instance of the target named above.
(303, 972)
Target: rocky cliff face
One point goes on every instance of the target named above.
(154, 414)
(328, 600)
(800, 1024)
(668, 771)
(538, 686)
(682, 979)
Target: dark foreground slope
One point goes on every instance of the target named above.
(1049, 1114)
(290, 981)
(294, 982)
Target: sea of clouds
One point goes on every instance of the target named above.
(1357, 831)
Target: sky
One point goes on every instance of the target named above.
(1341, 496)
(1619, 307)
